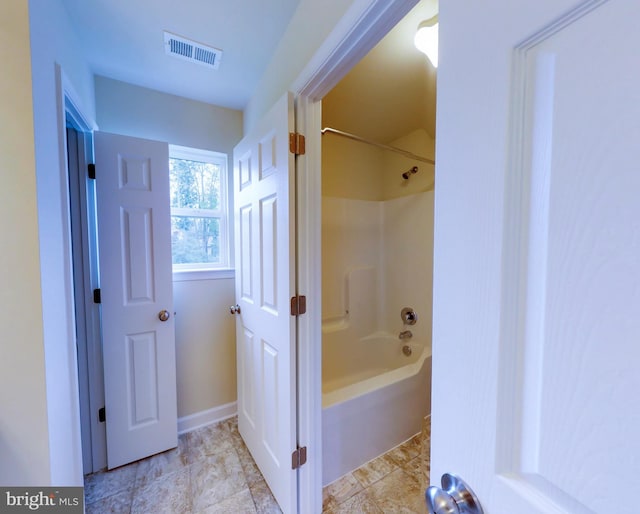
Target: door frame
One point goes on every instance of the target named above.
(87, 348)
(364, 24)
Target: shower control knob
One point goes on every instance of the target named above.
(455, 497)
(409, 316)
(234, 309)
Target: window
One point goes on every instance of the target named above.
(199, 220)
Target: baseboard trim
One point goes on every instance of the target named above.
(206, 417)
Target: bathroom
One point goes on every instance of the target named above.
(377, 250)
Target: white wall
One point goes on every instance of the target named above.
(407, 262)
(307, 30)
(377, 238)
(409, 225)
(205, 332)
(377, 258)
(351, 261)
(24, 439)
(52, 42)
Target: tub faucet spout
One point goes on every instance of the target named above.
(405, 334)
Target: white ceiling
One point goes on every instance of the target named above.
(388, 94)
(123, 40)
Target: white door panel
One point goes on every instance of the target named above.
(132, 187)
(265, 281)
(537, 254)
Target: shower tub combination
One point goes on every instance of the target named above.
(374, 397)
(375, 266)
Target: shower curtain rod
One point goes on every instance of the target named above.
(379, 145)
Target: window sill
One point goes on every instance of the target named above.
(203, 274)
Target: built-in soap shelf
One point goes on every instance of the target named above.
(359, 301)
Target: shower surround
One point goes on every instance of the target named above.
(377, 259)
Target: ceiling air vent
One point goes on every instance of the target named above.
(188, 50)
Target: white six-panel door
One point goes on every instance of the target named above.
(265, 282)
(132, 186)
(537, 255)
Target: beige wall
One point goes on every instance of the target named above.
(420, 143)
(205, 332)
(24, 437)
(351, 169)
(205, 344)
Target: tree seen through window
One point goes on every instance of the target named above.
(196, 212)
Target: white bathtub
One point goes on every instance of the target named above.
(374, 398)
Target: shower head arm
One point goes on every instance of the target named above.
(410, 172)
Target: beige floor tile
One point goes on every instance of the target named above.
(212, 471)
(426, 428)
(162, 464)
(359, 503)
(167, 494)
(263, 498)
(419, 471)
(398, 493)
(231, 424)
(107, 483)
(216, 478)
(329, 504)
(241, 502)
(374, 470)
(119, 503)
(238, 442)
(207, 441)
(340, 491)
(251, 471)
(406, 451)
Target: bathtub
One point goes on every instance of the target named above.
(373, 398)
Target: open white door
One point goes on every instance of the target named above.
(132, 187)
(265, 282)
(537, 255)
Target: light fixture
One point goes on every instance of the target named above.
(426, 39)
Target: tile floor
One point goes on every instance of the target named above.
(212, 471)
(393, 483)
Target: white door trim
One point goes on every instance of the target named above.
(359, 30)
(70, 106)
(76, 142)
(364, 24)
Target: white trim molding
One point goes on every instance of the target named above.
(203, 274)
(207, 417)
(65, 438)
(359, 30)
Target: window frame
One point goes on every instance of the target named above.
(221, 269)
